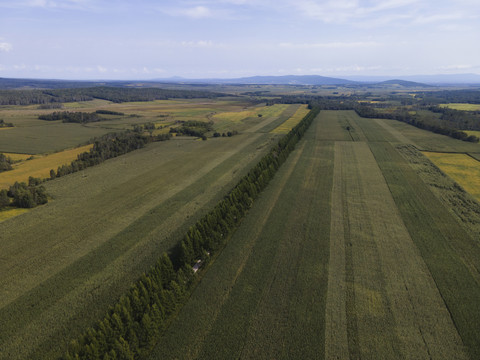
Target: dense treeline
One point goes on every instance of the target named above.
(415, 120)
(107, 147)
(109, 112)
(24, 195)
(459, 119)
(132, 326)
(449, 96)
(72, 117)
(29, 97)
(114, 94)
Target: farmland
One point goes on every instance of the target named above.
(341, 228)
(359, 247)
(105, 227)
(38, 167)
(461, 106)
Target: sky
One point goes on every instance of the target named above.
(146, 39)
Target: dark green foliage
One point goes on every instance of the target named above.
(405, 116)
(107, 147)
(132, 326)
(5, 163)
(28, 196)
(109, 112)
(193, 128)
(4, 124)
(115, 94)
(72, 117)
(4, 199)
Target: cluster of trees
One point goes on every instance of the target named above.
(72, 117)
(404, 116)
(5, 124)
(193, 128)
(24, 195)
(228, 133)
(107, 147)
(109, 112)
(5, 163)
(132, 326)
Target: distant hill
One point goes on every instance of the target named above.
(439, 79)
(293, 80)
(403, 83)
(268, 80)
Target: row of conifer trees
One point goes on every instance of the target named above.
(132, 326)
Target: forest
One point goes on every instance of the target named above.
(114, 94)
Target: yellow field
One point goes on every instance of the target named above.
(39, 167)
(17, 157)
(461, 168)
(294, 120)
(461, 106)
(472, 132)
(7, 214)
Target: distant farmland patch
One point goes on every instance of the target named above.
(294, 120)
(462, 106)
(38, 167)
(461, 168)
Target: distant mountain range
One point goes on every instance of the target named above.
(440, 79)
(315, 80)
(270, 80)
(407, 81)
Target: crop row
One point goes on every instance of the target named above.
(132, 326)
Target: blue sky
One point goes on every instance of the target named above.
(146, 39)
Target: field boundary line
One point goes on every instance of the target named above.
(336, 339)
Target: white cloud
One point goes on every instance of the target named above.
(197, 44)
(196, 12)
(332, 45)
(5, 47)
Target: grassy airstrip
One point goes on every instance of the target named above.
(352, 251)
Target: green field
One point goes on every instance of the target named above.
(32, 136)
(360, 248)
(338, 259)
(65, 262)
